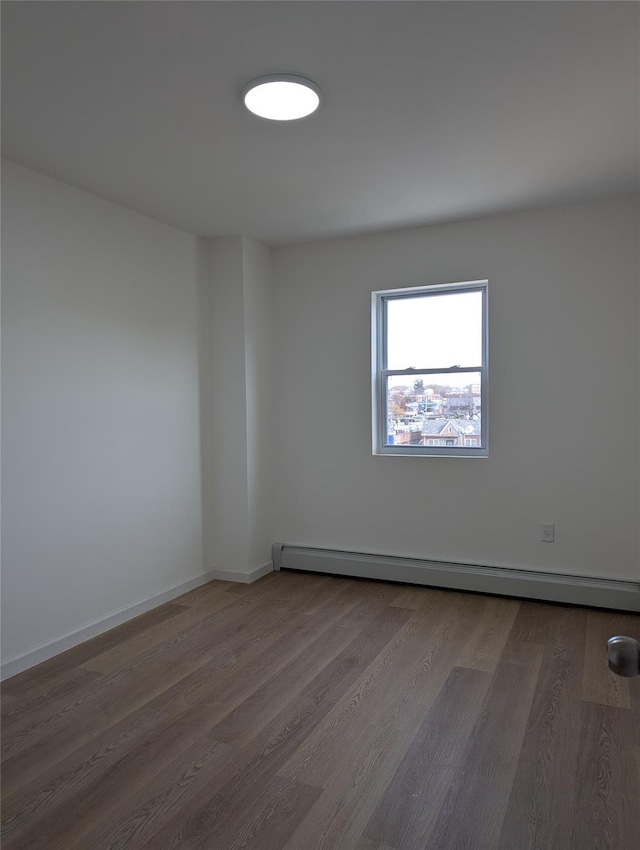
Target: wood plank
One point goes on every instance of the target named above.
(62, 809)
(8, 704)
(272, 816)
(600, 685)
(16, 711)
(535, 621)
(156, 725)
(149, 804)
(267, 820)
(488, 635)
(228, 690)
(253, 714)
(316, 713)
(607, 813)
(542, 803)
(391, 677)
(118, 695)
(220, 687)
(482, 787)
(119, 656)
(200, 606)
(365, 756)
(38, 679)
(418, 598)
(220, 625)
(414, 797)
(634, 691)
(254, 767)
(188, 696)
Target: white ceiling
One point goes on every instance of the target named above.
(432, 110)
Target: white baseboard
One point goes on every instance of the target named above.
(500, 581)
(22, 662)
(243, 578)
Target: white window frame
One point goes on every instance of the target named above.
(380, 373)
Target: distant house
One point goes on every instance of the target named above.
(464, 433)
(462, 404)
(407, 437)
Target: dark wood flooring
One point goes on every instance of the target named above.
(307, 712)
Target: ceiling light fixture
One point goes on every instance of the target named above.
(281, 97)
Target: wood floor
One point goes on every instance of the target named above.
(307, 711)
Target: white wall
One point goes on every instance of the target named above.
(237, 445)
(226, 520)
(258, 312)
(563, 402)
(101, 454)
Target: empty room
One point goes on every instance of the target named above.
(320, 425)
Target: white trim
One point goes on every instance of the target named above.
(243, 578)
(22, 662)
(500, 581)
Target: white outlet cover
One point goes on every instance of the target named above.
(547, 530)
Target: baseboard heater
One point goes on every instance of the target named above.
(550, 587)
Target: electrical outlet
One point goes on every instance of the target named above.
(546, 532)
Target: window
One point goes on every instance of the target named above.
(429, 370)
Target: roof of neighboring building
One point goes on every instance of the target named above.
(434, 427)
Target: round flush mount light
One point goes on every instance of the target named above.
(281, 97)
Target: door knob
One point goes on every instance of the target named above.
(624, 655)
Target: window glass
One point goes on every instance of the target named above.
(434, 332)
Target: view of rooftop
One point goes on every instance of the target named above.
(434, 414)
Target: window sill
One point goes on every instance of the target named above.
(422, 451)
